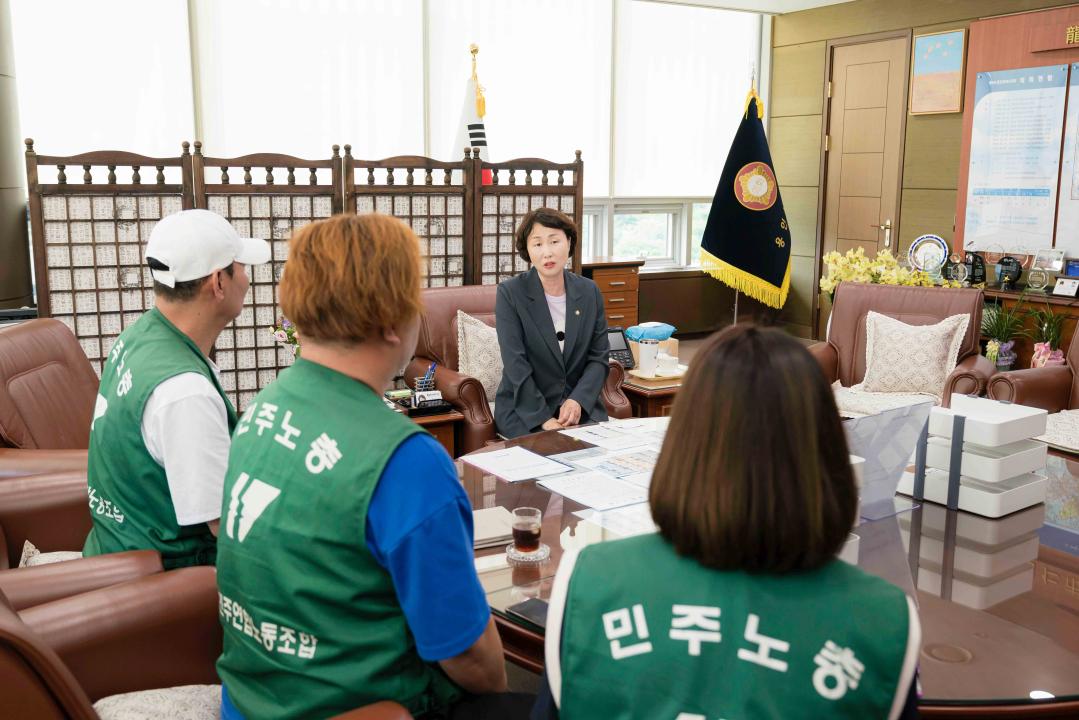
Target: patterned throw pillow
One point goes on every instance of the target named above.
(477, 352)
(901, 358)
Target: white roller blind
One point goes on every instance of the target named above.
(296, 77)
(545, 65)
(682, 74)
(103, 75)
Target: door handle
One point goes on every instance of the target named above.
(887, 228)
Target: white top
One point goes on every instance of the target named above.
(557, 305)
(186, 431)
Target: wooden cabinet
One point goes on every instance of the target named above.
(618, 281)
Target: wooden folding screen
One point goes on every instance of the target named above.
(434, 198)
(89, 237)
(265, 196)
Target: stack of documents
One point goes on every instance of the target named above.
(491, 527)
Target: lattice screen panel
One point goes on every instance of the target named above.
(246, 353)
(97, 281)
(439, 222)
(431, 196)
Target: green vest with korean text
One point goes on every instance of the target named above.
(130, 501)
(312, 622)
(693, 643)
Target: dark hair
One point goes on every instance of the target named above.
(754, 473)
(549, 218)
(184, 291)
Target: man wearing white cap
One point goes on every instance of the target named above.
(159, 442)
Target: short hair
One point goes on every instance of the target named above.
(754, 473)
(184, 291)
(549, 218)
(350, 277)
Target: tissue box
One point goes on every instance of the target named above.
(668, 346)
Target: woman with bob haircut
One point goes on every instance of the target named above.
(552, 334)
(738, 607)
(345, 563)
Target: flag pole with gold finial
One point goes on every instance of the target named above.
(760, 114)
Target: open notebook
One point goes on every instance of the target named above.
(491, 527)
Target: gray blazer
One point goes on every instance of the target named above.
(537, 377)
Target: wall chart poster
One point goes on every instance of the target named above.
(1015, 158)
(1068, 212)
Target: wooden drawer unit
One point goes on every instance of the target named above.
(618, 282)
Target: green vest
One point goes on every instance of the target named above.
(130, 501)
(312, 623)
(647, 633)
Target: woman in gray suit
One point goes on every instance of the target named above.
(552, 333)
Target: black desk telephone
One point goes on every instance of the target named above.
(619, 347)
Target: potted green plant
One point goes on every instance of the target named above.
(1001, 325)
(1048, 327)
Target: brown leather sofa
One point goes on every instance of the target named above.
(438, 343)
(47, 395)
(157, 632)
(842, 355)
(51, 511)
(1050, 388)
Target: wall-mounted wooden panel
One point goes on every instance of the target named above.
(796, 143)
(932, 151)
(798, 80)
(800, 204)
(926, 211)
(869, 16)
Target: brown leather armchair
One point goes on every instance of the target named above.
(47, 395)
(157, 632)
(842, 355)
(1050, 388)
(438, 343)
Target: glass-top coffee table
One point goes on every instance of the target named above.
(998, 599)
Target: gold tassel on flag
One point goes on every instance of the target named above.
(481, 101)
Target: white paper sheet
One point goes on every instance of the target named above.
(515, 464)
(624, 521)
(605, 437)
(596, 490)
(621, 465)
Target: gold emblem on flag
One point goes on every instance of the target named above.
(755, 186)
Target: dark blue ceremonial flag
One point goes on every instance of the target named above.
(747, 242)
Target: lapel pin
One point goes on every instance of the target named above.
(576, 312)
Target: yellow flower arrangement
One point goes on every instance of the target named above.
(884, 269)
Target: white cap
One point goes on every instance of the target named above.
(193, 243)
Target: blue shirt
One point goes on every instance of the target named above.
(419, 527)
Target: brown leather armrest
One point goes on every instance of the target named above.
(828, 358)
(970, 377)
(467, 396)
(50, 511)
(14, 461)
(613, 398)
(154, 632)
(385, 710)
(26, 587)
(1046, 387)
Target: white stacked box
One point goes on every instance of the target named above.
(999, 459)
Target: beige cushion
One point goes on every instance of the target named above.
(901, 358)
(478, 353)
(31, 556)
(187, 702)
(857, 403)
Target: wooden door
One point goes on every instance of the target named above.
(864, 142)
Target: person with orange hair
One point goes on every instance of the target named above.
(345, 562)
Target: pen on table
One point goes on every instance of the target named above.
(430, 372)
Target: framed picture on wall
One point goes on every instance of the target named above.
(936, 72)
